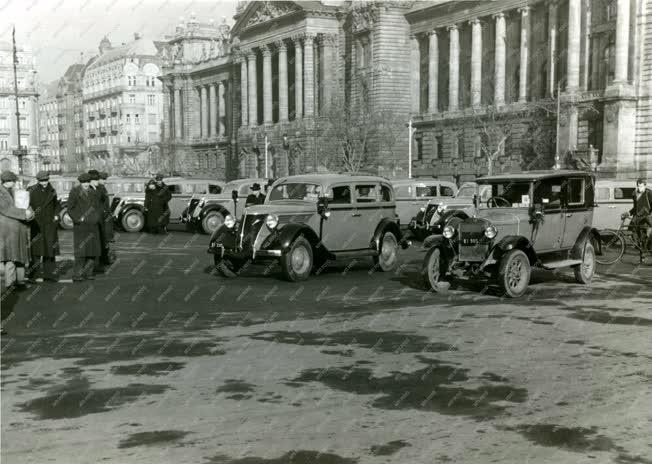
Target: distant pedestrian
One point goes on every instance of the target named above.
(14, 232)
(107, 224)
(102, 205)
(641, 214)
(255, 197)
(44, 228)
(157, 210)
(85, 214)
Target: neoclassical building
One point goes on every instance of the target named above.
(488, 86)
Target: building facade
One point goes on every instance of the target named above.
(122, 101)
(488, 87)
(27, 80)
(61, 123)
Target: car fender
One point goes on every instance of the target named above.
(587, 233)
(129, 207)
(508, 243)
(283, 237)
(223, 236)
(432, 241)
(207, 209)
(386, 225)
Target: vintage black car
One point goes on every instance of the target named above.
(540, 218)
(308, 220)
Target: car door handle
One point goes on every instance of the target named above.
(612, 207)
(356, 214)
(569, 215)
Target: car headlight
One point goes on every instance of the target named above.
(271, 221)
(448, 232)
(229, 221)
(490, 232)
(441, 207)
(423, 209)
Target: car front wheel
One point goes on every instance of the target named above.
(584, 272)
(133, 221)
(514, 273)
(433, 268)
(386, 259)
(212, 221)
(297, 262)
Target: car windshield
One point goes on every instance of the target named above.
(295, 191)
(507, 194)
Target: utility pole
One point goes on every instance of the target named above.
(19, 152)
(411, 132)
(557, 157)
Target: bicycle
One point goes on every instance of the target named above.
(614, 243)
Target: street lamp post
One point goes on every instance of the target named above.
(411, 132)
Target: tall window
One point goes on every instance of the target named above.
(132, 98)
(151, 99)
(137, 118)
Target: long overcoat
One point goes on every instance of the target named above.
(156, 205)
(44, 228)
(106, 224)
(86, 216)
(14, 233)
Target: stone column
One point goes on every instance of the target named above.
(329, 76)
(204, 111)
(213, 110)
(253, 90)
(221, 103)
(499, 70)
(454, 69)
(267, 85)
(476, 63)
(178, 127)
(552, 48)
(415, 73)
(282, 81)
(574, 36)
(433, 72)
(525, 46)
(622, 42)
(298, 78)
(244, 101)
(309, 75)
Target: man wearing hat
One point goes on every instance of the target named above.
(44, 201)
(157, 209)
(106, 221)
(86, 216)
(255, 197)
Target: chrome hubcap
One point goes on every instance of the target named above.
(133, 221)
(67, 220)
(388, 248)
(213, 222)
(300, 260)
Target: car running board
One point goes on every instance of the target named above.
(562, 263)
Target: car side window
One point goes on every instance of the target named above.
(190, 188)
(575, 192)
(446, 191)
(216, 189)
(341, 195)
(548, 193)
(366, 193)
(427, 191)
(385, 193)
(175, 189)
(602, 193)
(403, 191)
(624, 193)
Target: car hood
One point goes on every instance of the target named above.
(215, 198)
(507, 222)
(284, 207)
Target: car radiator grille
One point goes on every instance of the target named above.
(193, 204)
(473, 244)
(249, 228)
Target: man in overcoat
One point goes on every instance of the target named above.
(157, 210)
(44, 228)
(86, 215)
(103, 204)
(641, 214)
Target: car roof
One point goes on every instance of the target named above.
(534, 175)
(421, 180)
(616, 183)
(332, 178)
(193, 180)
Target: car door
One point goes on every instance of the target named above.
(368, 212)
(577, 192)
(547, 234)
(181, 194)
(342, 223)
(405, 196)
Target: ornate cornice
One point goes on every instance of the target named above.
(363, 17)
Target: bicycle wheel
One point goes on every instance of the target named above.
(612, 245)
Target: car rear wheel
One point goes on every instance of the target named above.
(514, 273)
(297, 262)
(387, 258)
(133, 221)
(66, 221)
(212, 221)
(584, 272)
(433, 268)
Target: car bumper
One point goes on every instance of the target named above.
(219, 249)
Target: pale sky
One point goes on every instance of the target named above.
(59, 30)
